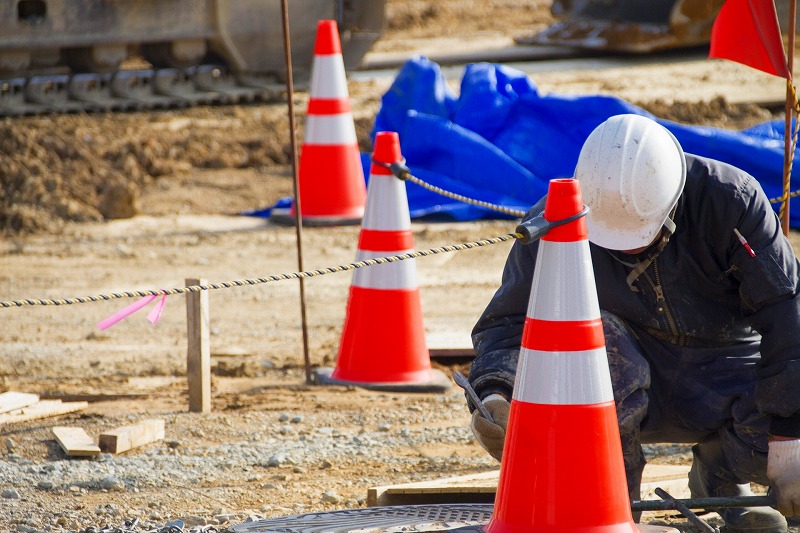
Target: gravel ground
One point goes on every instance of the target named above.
(280, 448)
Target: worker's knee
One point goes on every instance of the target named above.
(745, 451)
(630, 372)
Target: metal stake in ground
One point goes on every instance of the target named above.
(287, 48)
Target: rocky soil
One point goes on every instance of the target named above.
(91, 204)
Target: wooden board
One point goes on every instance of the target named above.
(76, 442)
(11, 401)
(41, 409)
(91, 398)
(126, 438)
(481, 488)
(450, 346)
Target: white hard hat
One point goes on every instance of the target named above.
(632, 171)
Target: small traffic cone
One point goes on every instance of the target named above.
(563, 440)
(383, 343)
(331, 178)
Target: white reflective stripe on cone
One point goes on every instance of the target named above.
(570, 277)
(330, 129)
(398, 275)
(563, 378)
(328, 79)
(387, 208)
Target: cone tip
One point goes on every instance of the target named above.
(386, 150)
(564, 200)
(327, 42)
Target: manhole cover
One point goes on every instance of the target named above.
(387, 519)
(466, 517)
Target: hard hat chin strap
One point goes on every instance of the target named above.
(637, 269)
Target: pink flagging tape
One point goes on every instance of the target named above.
(153, 316)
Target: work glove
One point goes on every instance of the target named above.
(783, 471)
(492, 435)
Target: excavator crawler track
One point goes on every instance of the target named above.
(133, 90)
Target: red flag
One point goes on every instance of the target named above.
(747, 31)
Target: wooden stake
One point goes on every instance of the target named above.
(198, 354)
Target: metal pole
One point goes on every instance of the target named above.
(287, 48)
(686, 511)
(787, 130)
(704, 503)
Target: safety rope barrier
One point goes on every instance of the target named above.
(267, 279)
(401, 171)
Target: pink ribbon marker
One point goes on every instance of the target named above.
(153, 316)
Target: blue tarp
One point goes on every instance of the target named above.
(501, 141)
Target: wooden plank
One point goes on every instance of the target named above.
(42, 409)
(452, 355)
(481, 488)
(11, 401)
(448, 346)
(672, 478)
(466, 489)
(126, 438)
(75, 441)
(91, 398)
(198, 354)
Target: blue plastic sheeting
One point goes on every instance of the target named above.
(501, 141)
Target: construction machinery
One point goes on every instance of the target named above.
(100, 55)
(636, 26)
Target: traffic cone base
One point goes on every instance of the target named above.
(396, 365)
(396, 338)
(433, 381)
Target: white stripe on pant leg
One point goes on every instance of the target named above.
(563, 378)
(398, 275)
(328, 78)
(570, 277)
(330, 129)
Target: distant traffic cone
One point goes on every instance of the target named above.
(563, 439)
(331, 178)
(383, 343)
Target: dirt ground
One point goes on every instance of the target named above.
(70, 185)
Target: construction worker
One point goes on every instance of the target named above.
(699, 293)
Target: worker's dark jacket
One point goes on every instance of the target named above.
(704, 289)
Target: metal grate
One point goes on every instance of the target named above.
(406, 518)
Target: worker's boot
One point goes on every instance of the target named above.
(710, 477)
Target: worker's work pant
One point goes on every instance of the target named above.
(668, 393)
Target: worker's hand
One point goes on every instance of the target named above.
(783, 471)
(492, 435)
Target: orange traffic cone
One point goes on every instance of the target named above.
(383, 343)
(331, 179)
(563, 439)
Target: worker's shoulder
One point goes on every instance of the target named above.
(706, 176)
